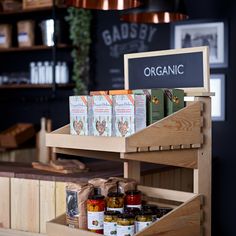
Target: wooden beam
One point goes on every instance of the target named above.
(132, 170)
(205, 164)
(182, 158)
(5, 202)
(108, 156)
(166, 194)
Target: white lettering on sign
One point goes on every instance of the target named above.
(128, 31)
(164, 70)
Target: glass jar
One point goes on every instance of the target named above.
(153, 209)
(96, 208)
(143, 220)
(110, 223)
(115, 202)
(133, 199)
(125, 225)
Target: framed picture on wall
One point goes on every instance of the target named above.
(203, 33)
(217, 85)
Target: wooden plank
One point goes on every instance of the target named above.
(204, 165)
(182, 221)
(5, 202)
(109, 144)
(195, 181)
(47, 203)
(132, 170)
(180, 128)
(166, 194)
(25, 205)
(183, 158)
(60, 198)
(12, 232)
(108, 156)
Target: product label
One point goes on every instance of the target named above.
(110, 228)
(2, 39)
(95, 220)
(134, 206)
(125, 230)
(23, 37)
(121, 210)
(72, 210)
(141, 225)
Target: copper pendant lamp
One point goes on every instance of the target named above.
(157, 11)
(105, 4)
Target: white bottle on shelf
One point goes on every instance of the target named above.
(64, 73)
(40, 72)
(58, 73)
(32, 73)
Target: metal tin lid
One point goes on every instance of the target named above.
(115, 194)
(133, 192)
(112, 213)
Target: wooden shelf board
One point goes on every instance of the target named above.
(33, 48)
(30, 10)
(34, 86)
(12, 232)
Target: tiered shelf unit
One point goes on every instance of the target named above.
(182, 139)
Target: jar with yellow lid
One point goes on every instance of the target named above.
(125, 225)
(110, 223)
(115, 202)
(143, 220)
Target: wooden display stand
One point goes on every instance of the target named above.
(182, 139)
(177, 140)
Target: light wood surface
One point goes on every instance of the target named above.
(5, 203)
(12, 232)
(166, 194)
(25, 205)
(60, 198)
(182, 221)
(47, 203)
(180, 128)
(204, 179)
(132, 170)
(183, 158)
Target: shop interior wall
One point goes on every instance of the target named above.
(107, 71)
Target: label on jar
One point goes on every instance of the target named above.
(2, 39)
(95, 220)
(141, 225)
(134, 206)
(121, 210)
(23, 37)
(110, 228)
(125, 230)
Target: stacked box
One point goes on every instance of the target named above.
(129, 114)
(95, 93)
(155, 104)
(120, 92)
(79, 124)
(174, 100)
(102, 115)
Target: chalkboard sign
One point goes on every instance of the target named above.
(181, 68)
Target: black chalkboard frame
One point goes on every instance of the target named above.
(205, 89)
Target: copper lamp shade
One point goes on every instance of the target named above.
(157, 11)
(105, 4)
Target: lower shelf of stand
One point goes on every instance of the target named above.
(184, 220)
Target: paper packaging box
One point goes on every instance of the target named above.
(120, 92)
(25, 33)
(79, 108)
(174, 100)
(155, 104)
(94, 93)
(5, 36)
(102, 115)
(129, 114)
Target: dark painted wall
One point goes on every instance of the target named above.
(224, 161)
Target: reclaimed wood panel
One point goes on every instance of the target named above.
(60, 198)
(5, 202)
(47, 203)
(25, 204)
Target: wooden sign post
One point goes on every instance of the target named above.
(183, 68)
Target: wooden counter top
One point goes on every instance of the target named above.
(102, 169)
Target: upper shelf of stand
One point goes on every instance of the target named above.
(182, 128)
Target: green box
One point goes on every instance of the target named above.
(174, 100)
(155, 104)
